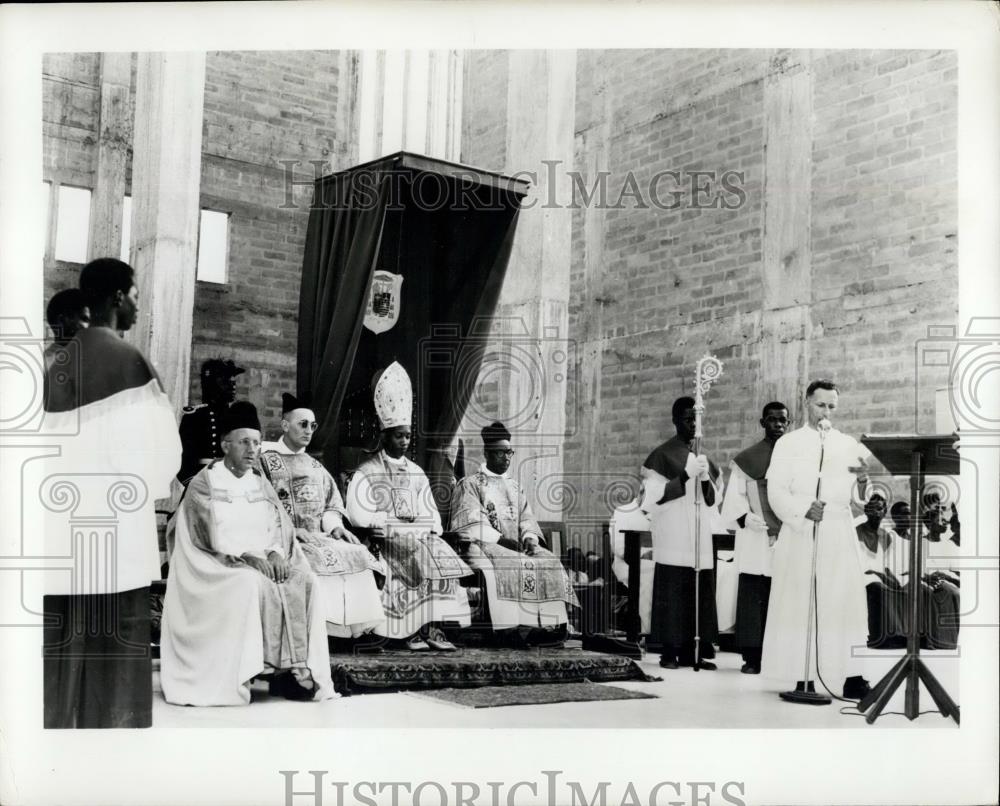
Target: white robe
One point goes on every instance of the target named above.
(117, 457)
(212, 643)
(840, 593)
(672, 524)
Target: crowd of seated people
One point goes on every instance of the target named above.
(885, 552)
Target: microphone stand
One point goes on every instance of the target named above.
(808, 695)
(707, 372)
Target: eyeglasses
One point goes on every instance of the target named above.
(505, 452)
(307, 424)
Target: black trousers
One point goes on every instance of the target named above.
(96, 661)
(752, 595)
(672, 622)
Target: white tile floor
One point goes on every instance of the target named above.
(721, 699)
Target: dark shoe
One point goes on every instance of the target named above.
(285, 685)
(707, 666)
(749, 669)
(546, 636)
(856, 688)
(669, 663)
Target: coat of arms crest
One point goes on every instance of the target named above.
(383, 304)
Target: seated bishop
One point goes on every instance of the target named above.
(241, 598)
(390, 495)
(527, 588)
(343, 567)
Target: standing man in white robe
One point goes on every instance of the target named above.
(841, 618)
(391, 495)
(670, 474)
(746, 510)
(106, 409)
(344, 568)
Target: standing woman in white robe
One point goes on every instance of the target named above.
(841, 621)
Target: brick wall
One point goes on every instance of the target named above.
(674, 284)
(668, 285)
(884, 229)
(260, 109)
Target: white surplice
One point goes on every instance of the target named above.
(754, 553)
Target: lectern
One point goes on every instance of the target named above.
(914, 456)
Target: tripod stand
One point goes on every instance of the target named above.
(914, 455)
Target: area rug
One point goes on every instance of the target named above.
(535, 694)
(474, 668)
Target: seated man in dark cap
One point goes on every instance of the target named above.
(242, 600)
(526, 585)
(344, 568)
(199, 429)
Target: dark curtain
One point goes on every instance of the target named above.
(451, 242)
(342, 244)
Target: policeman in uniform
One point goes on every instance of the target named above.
(200, 425)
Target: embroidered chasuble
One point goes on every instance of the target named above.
(423, 570)
(492, 511)
(310, 496)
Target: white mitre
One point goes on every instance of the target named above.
(394, 397)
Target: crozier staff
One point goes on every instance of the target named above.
(670, 474)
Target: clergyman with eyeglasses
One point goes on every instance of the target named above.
(527, 589)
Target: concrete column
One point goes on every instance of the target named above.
(348, 123)
(166, 182)
(114, 138)
(786, 324)
(594, 151)
(532, 315)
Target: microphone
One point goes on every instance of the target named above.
(823, 426)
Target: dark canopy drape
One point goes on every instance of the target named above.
(448, 231)
(342, 243)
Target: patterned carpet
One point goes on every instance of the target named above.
(473, 668)
(535, 694)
